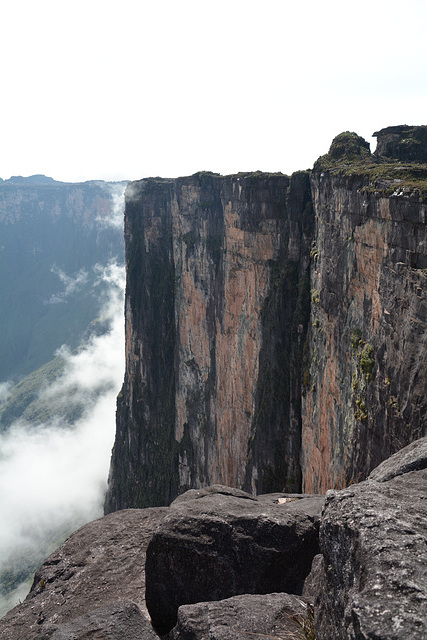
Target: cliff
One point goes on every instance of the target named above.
(365, 396)
(52, 236)
(217, 306)
(275, 326)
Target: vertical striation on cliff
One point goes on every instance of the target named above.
(276, 326)
(217, 307)
(365, 394)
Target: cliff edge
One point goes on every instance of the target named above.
(275, 326)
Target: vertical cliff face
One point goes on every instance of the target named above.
(217, 309)
(229, 378)
(365, 393)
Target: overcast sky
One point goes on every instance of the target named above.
(124, 89)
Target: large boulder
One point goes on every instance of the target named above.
(93, 583)
(276, 615)
(220, 542)
(122, 619)
(374, 541)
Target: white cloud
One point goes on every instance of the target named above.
(71, 283)
(5, 388)
(54, 474)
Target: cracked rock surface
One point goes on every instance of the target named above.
(374, 540)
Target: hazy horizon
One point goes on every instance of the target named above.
(100, 91)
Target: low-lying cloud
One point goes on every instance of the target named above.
(53, 476)
(71, 283)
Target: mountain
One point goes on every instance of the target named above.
(61, 260)
(276, 327)
(53, 234)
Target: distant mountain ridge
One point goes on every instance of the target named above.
(52, 235)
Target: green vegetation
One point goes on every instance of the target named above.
(356, 338)
(190, 240)
(363, 365)
(349, 155)
(23, 399)
(367, 361)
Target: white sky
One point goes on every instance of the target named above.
(127, 89)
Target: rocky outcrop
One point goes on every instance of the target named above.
(94, 584)
(218, 561)
(217, 306)
(275, 615)
(217, 543)
(403, 142)
(365, 396)
(94, 581)
(373, 539)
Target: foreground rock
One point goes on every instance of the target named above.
(374, 540)
(116, 621)
(276, 615)
(218, 542)
(81, 587)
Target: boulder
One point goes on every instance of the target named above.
(218, 542)
(374, 541)
(93, 572)
(276, 615)
(116, 621)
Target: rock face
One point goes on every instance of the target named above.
(276, 615)
(94, 581)
(224, 382)
(217, 307)
(218, 543)
(365, 393)
(374, 542)
(402, 142)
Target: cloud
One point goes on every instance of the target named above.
(53, 477)
(71, 284)
(117, 193)
(5, 388)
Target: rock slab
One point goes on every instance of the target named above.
(217, 543)
(95, 580)
(275, 615)
(374, 541)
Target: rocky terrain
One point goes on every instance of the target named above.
(218, 563)
(274, 397)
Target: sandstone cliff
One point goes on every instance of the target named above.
(217, 307)
(365, 395)
(229, 379)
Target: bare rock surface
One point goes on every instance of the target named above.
(99, 565)
(116, 621)
(411, 458)
(374, 540)
(220, 542)
(275, 615)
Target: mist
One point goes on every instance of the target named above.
(53, 476)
